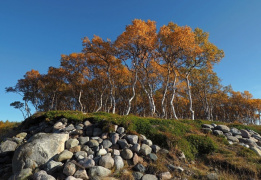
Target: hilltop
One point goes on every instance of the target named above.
(189, 149)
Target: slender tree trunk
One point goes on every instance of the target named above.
(52, 104)
(172, 98)
(133, 94)
(27, 109)
(113, 103)
(190, 98)
(79, 100)
(164, 96)
(100, 105)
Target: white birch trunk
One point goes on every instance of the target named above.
(164, 96)
(172, 98)
(79, 100)
(133, 94)
(100, 105)
(190, 98)
(151, 100)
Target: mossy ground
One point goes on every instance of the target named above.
(204, 152)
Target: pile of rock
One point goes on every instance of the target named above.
(244, 137)
(76, 151)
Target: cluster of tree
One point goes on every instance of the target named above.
(168, 74)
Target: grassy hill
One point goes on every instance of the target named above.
(205, 153)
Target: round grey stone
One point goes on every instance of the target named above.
(42, 175)
(145, 149)
(106, 161)
(69, 169)
(149, 177)
(64, 155)
(118, 161)
(126, 154)
(84, 140)
(71, 143)
(120, 130)
(93, 143)
(139, 167)
(107, 143)
(137, 175)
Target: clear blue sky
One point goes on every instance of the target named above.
(33, 35)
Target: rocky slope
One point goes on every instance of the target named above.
(70, 149)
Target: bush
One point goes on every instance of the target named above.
(201, 144)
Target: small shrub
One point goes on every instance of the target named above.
(202, 144)
(70, 115)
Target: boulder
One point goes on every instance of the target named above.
(72, 178)
(39, 150)
(218, 132)
(235, 131)
(71, 143)
(153, 157)
(120, 130)
(42, 175)
(114, 138)
(106, 161)
(79, 127)
(149, 177)
(126, 154)
(155, 148)
(118, 161)
(75, 149)
(232, 138)
(7, 146)
(148, 142)
(145, 149)
(83, 140)
(98, 171)
(81, 155)
(136, 159)
(87, 123)
(137, 175)
(207, 126)
(139, 167)
(81, 173)
(132, 139)
(58, 126)
(69, 128)
(106, 143)
(93, 143)
(116, 152)
(123, 143)
(165, 175)
(69, 169)
(102, 152)
(22, 175)
(52, 166)
(21, 135)
(222, 128)
(65, 155)
(135, 148)
(245, 133)
(87, 163)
